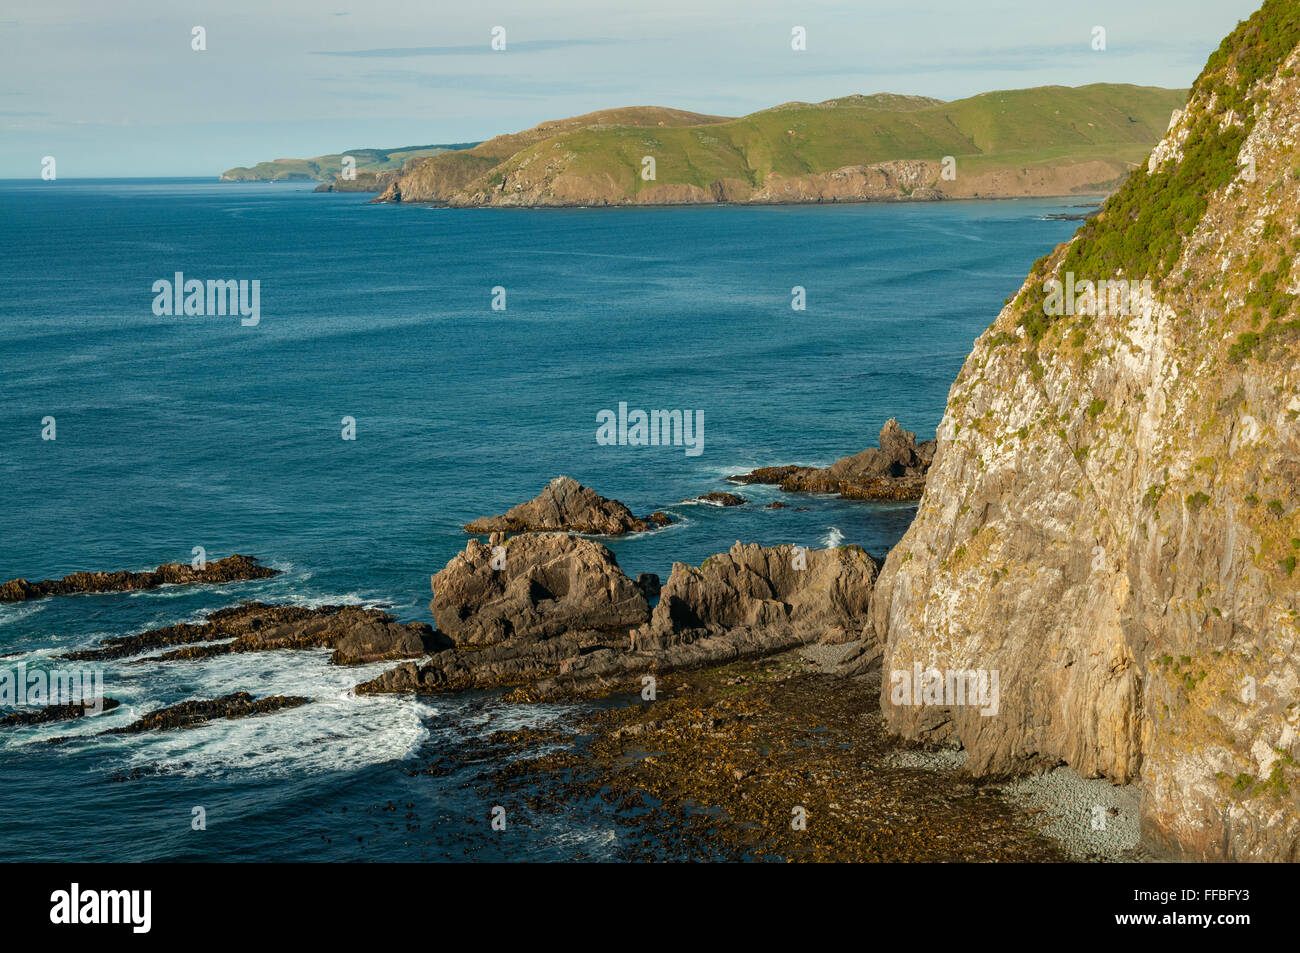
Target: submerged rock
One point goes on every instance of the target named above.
(568, 506)
(230, 569)
(40, 716)
(357, 635)
(722, 499)
(893, 471)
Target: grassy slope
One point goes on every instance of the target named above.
(450, 171)
(1021, 127)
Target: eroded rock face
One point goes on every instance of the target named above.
(533, 586)
(1112, 519)
(230, 569)
(357, 635)
(782, 593)
(568, 506)
(893, 471)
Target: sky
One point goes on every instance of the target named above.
(116, 89)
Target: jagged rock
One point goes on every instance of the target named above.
(568, 506)
(746, 603)
(357, 635)
(1112, 519)
(547, 584)
(893, 471)
(40, 716)
(231, 568)
(776, 592)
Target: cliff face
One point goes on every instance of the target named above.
(1112, 519)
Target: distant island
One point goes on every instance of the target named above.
(1045, 141)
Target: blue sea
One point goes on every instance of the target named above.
(177, 432)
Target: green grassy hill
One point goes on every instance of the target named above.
(433, 178)
(1029, 141)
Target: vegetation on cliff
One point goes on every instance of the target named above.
(1142, 227)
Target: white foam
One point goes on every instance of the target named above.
(833, 539)
(337, 731)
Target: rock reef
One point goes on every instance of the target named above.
(193, 713)
(357, 635)
(231, 569)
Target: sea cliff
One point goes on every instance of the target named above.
(1112, 517)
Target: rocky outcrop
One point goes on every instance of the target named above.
(1112, 520)
(357, 635)
(230, 569)
(783, 593)
(751, 602)
(893, 471)
(531, 587)
(568, 506)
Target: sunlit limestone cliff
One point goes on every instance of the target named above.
(1112, 518)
